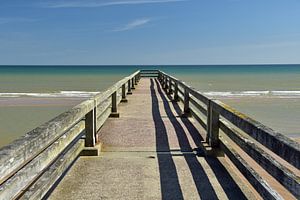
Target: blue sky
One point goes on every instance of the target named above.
(149, 31)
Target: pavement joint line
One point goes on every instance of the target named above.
(149, 151)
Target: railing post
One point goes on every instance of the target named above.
(135, 80)
(132, 84)
(165, 82)
(176, 97)
(129, 88)
(124, 100)
(90, 128)
(170, 87)
(186, 103)
(212, 125)
(114, 108)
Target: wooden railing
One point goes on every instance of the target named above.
(216, 117)
(30, 166)
(149, 73)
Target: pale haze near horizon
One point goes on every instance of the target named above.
(149, 32)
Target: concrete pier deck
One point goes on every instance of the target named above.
(150, 152)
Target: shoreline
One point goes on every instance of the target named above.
(40, 101)
(42, 109)
(20, 115)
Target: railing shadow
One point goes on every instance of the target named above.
(228, 184)
(170, 188)
(201, 180)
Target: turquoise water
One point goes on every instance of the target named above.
(93, 78)
(269, 93)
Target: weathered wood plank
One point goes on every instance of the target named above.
(102, 118)
(198, 106)
(24, 176)
(286, 177)
(40, 188)
(186, 103)
(90, 130)
(103, 107)
(22, 150)
(212, 125)
(200, 96)
(254, 178)
(198, 118)
(283, 146)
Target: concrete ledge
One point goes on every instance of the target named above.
(186, 115)
(91, 151)
(114, 115)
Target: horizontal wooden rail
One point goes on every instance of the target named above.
(283, 146)
(31, 164)
(214, 111)
(149, 73)
(277, 170)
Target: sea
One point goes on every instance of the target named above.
(32, 95)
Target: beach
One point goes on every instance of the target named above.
(20, 115)
(32, 95)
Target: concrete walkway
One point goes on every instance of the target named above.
(150, 153)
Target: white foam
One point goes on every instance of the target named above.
(275, 93)
(51, 94)
(288, 93)
(87, 94)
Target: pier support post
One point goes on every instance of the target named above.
(132, 84)
(176, 97)
(124, 100)
(212, 126)
(90, 128)
(129, 88)
(114, 108)
(186, 103)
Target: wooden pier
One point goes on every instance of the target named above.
(151, 136)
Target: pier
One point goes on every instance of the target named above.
(151, 136)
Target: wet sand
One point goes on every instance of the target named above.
(20, 115)
(27, 113)
(280, 114)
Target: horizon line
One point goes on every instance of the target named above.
(149, 65)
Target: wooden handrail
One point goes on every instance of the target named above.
(28, 157)
(56, 143)
(215, 112)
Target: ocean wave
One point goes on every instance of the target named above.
(73, 94)
(274, 93)
(87, 94)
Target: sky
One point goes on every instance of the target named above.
(149, 32)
